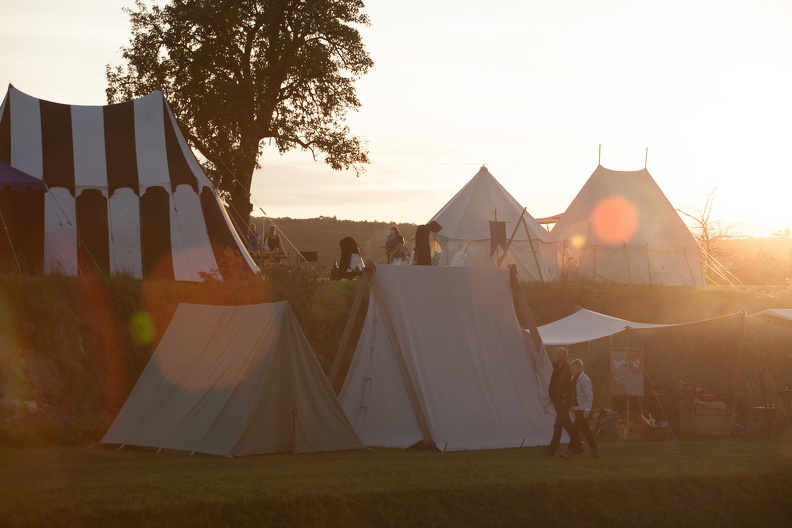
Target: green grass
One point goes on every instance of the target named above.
(687, 483)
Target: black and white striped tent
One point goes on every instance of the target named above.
(124, 192)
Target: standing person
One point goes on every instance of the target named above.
(422, 252)
(253, 237)
(561, 394)
(392, 242)
(584, 399)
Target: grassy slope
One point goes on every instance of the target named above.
(91, 330)
(714, 483)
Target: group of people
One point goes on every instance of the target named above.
(397, 251)
(270, 245)
(571, 390)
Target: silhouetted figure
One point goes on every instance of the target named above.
(351, 263)
(422, 251)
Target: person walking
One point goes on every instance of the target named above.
(584, 399)
(561, 396)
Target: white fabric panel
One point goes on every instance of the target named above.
(777, 313)
(521, 254)
(124, 222)
(374, 396)
(585, 325)
(233, 381)
(192, 251)
(152, 155)
(90, 163)
(60, 232)
(26, 133)
(192, 162)
(472, 369)
(661, 249)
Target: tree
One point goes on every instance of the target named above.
(239, 72)
(708, 233)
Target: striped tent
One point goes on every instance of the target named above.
(125, 194)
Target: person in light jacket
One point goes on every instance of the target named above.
(584, 399)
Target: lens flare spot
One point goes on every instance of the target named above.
(141, 328)
(614, 220)
(578, 241)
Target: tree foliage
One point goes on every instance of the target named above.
(239, 72)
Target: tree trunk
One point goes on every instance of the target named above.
(239, 203)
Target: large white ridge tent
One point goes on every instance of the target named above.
(442, 360)
(233, 380)
(621, 228)
(125, 194)
(465, 228)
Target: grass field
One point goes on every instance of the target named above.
(635, 483)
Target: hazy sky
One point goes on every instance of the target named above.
(527, 88)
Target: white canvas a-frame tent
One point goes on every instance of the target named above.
(124, 192)
(465, 229)
(234, 381)
(621, 228)
(442, 361)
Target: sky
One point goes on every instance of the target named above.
(698, 91)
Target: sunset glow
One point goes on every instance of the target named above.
(531, 90)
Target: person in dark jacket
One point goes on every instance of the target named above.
(422, 252)
(562, 397)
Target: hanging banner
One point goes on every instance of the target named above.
(627, 372)
(497, 235)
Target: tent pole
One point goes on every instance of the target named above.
(533, 250)
(353, 313)
(524, 310)
(514, 232)
(405, 373)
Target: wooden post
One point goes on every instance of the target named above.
(509, 243)
(524, 311)
(364, 280)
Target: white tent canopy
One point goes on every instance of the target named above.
(233, 380)
(775, 313)
(441, 359)
(465, 228)
(621, 228)
(585, 325)
(125, 194)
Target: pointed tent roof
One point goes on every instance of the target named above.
(442, 359)
(466, 216)
(658, 223)
(618, 211)
(125, 191)
(233, 380)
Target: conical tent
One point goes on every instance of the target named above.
(233, 380)
(125, 194)
(621, 228)
(442, 360)
(465, 229)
